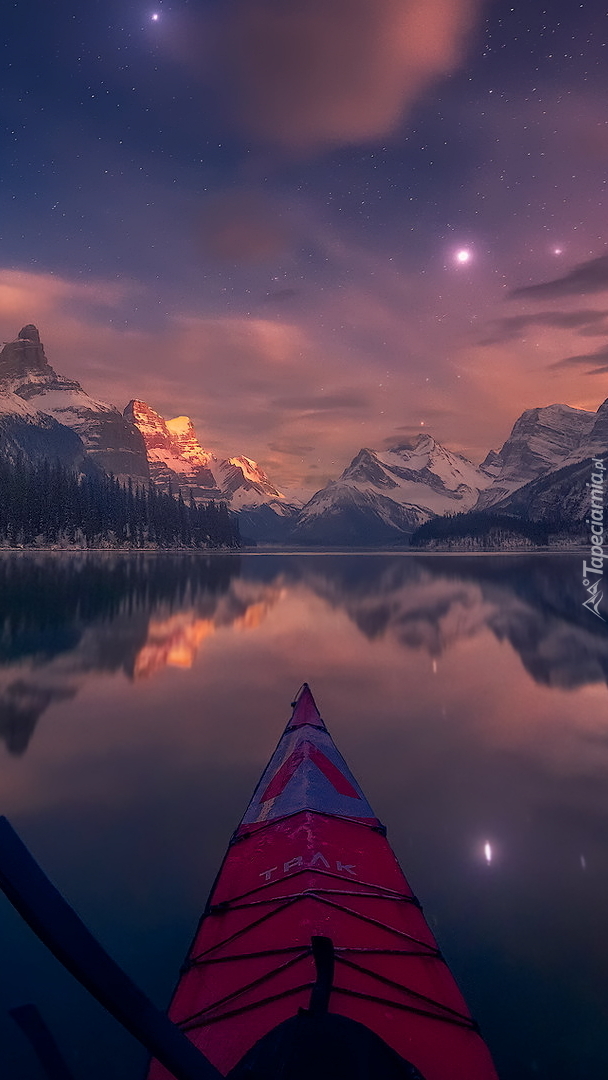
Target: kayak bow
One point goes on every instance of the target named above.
(313, 957)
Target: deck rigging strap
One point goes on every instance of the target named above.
(323, 954)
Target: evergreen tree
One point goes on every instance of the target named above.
(44, 503)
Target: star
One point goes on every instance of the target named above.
(155, 16)
(463, 256)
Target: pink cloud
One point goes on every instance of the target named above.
(308, 74)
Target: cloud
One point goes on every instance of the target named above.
(27, 296)
(242, 226)
(309, 73)
(515, 326)
(588, 360)
(587, 277)
(408, 436)
(285, 446)
(321, 403)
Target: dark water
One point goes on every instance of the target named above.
(140, 698)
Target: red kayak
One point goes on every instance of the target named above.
(313, 958)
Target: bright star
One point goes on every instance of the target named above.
(155, 17)
(487, 850)
(463, 256)
(557, 251)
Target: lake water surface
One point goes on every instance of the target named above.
(141, 696)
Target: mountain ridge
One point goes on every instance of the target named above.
(546, 450)
(381, 496)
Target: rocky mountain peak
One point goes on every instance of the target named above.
(255, 474)
(26, 376)
(541, 439)
(169, 439)
(137, 408)
(179, 462)
(243, 478)
(365, 467)
(30, 333)
(425, 442)
(385, 494)
(421, 443)
(176, 458)
(150, 423)
(24, 357)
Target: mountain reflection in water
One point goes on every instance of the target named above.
(63, 618)
(141, 696)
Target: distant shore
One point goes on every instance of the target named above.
(270, 550)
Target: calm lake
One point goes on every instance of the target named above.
(141, 696)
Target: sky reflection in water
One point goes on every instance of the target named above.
(141, 697)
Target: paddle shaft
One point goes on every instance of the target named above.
(58, 926)
(34, 1028)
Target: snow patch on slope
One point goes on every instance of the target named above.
(11, 405)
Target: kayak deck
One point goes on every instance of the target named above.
(311, 860)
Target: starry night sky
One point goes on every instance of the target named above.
(251, 211)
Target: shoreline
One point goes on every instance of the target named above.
(408, 552)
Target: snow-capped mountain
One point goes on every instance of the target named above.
(383, 496)
(45, 415)
(27, 377)
(541, 440)
(561, 494)
(177, 459)
(540, 472)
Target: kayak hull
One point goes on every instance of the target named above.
(311, 861)
(251, 967)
